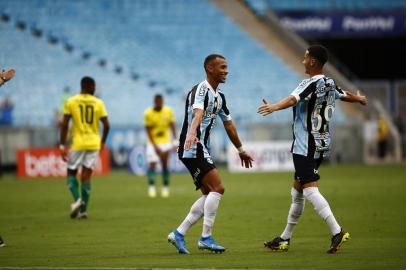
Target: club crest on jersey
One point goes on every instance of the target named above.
(323, 89)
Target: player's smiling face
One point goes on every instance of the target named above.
(308, 62)
(220, 70)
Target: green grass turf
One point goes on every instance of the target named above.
(128, 229)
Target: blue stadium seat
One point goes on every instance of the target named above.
(164, 42)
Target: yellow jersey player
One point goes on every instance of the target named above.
(86, 111)
(159, 121)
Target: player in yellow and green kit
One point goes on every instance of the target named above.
(86, 111)
(159, 121)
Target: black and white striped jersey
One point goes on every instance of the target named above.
(312, 115)
(213, 103)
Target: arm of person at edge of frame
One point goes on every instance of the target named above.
(6, 75)
(268, 108)
(191, 137)
(246, 159)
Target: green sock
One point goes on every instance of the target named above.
(151, 177)
(73, 186)
(85, 196)
(165, 177)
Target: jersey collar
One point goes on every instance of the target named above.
(215, 93)
(316, 77)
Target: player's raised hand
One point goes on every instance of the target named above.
(362, 98)
(265, 109)
(191, 139)
(246, 159)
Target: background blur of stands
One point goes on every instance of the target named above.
(136, 49)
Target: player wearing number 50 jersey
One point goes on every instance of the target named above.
(313, 104)
(86, 111)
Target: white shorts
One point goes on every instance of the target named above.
(152, 156)
(85, 158)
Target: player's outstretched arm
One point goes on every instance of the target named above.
(63, 135)
(358, 98)
(246, 159)
(267, 108)
(191, 137)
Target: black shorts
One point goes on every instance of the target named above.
(198, 168)
(306, 168)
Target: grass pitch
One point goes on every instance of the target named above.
(126, 229)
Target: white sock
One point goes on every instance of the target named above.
(210, 210)
(195, 213)
(295, 211)
(322, 208)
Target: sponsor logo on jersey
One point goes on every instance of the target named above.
(210, 114)
(303, 83)
(321, 136)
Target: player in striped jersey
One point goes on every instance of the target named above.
(203, 103)
(313, 104)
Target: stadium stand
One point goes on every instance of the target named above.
(134, 49)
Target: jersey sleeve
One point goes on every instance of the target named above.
(103, 111)
(147, 118)
(67, 109)
(224, 113)
(339, 93)
(171, 115)
(198, 97)
(303, 90)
